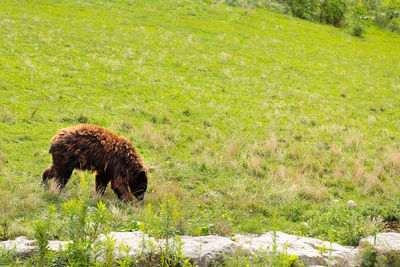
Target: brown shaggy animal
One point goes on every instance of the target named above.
(90, 147)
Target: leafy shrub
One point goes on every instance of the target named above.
(357, 18)
(357, 30)
(83, 224)
(166, 222)
(7, 258)
(333, 12)
(41, 231)
(387, 15)
(368, 257)
(347, 224)
(371, 258)
(383, 13)
(304, 9)
(357, 13)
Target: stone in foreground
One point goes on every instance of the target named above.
(203, 250)
(310, 251)
(200, 249)
(384, 243)
(23, 247)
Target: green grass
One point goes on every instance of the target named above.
(239, 113)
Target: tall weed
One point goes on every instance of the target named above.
(41, 231)
(163, 226)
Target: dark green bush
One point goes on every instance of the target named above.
(333, 12)
(357, 30)
(355, 14)
(388, 16)
(304, 9)
(383, 13)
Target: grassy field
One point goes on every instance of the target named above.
(250, 120)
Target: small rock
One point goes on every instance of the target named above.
(336, 200)
(351, 203)
(305, 224)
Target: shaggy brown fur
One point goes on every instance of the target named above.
(90, 147)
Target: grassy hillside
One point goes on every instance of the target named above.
(250, 119)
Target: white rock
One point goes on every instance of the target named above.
(385, 243)
(201, 249)
(204, 249)
(131, 239)
(336, 201)
(351, 203)
(305, 248)
(24, 248)
(56, 245)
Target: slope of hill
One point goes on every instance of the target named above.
(250, 120)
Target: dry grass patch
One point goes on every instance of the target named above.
(7, 116)
(256, 163)
(118, 213)
(392, 161)
(313, 192)
(335, 150)
(223, 227)
(271, 143)
(359, 171)
(229, 154)
(353, 140)
(153, 137)
(232, 149)
(157, 192)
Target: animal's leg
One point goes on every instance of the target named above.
(62, 169)
(47, 174)
(62, 178)
(101, 183)
(121, 190)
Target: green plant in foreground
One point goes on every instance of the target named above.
(263, 258)
(260, 258)
(4, 231)
(41, 231)
(7, 258)
(84, 225)
(343, 224)
(163, 226)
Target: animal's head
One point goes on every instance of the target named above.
(138, 184)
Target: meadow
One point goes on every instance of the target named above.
(247, 119)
